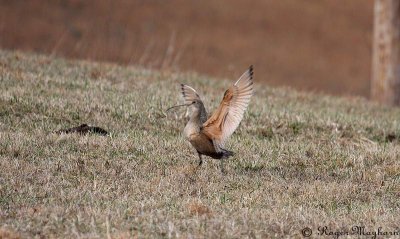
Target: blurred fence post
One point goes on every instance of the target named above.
(385, 84)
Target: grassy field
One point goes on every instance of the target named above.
(302, 160)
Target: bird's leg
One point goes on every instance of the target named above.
(201, 160)
(222, 165)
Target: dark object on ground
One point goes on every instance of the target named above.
(391, 137)
(83, 129)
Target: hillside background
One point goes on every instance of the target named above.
(313, 45)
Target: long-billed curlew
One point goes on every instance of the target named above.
(208, 136)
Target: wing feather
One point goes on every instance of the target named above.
(189, 94)
(226, 118)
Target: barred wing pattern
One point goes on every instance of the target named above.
(189, 94)
(226, 118)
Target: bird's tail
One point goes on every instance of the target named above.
(227, 153)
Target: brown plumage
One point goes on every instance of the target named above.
(208, 136)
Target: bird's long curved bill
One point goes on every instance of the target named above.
(178, 106)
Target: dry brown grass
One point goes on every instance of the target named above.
(322, 45)
(301, 160)
(8, 234)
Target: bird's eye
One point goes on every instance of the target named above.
(193, 102)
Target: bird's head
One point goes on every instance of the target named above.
(196, 104)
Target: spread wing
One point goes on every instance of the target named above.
(226, 118)
(189, 94)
